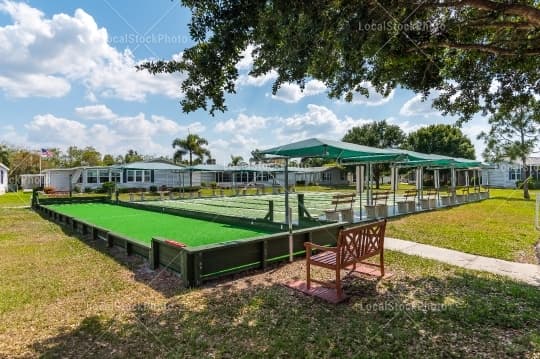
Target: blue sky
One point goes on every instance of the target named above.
(67, 78)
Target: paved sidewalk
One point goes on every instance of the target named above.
(529, 273)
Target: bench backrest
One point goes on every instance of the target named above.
(410, 193)
(343, 198)
(358, 243)
(379, 197)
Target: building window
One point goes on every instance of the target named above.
(92, 176)
(103, 176)
(116, 176)
(327, 176)
(514, 174)
(262, 176)
(139, 176)
(1, 177)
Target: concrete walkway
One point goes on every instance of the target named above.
(528, 273)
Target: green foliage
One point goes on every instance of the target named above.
(153, 189)
(193, 145)
(376, 134)
(132, 156)
(107, 187)
(455, 47)
(514, 133)
(441, 140)
(236, 160)
(108, 160)
(4, 155)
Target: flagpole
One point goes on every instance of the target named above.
(39, 162)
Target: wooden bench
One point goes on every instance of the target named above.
(354, 246)
(379, 208)
(429, 198)
(339, 200)
(409, 204)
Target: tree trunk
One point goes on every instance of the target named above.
(526, 194)
(377, 176)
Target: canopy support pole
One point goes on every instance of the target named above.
(369, 189)
(359, 185)
(286, 181)
(437, 183)
(419, 183)
(453, 182)
(394, 185)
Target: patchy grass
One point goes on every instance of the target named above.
(62, 297)
(501, 227)
(15, 199)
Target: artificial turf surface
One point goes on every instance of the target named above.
(142, 225)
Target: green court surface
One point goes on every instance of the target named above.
(142, 225)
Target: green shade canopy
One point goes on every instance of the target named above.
(315, 147)
(349, 153)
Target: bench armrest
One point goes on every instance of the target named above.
(310, 246)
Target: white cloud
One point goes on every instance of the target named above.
(248, 80)
(416, 106)
(95, 112)
(147, 135)
(43, 57)
(374, 99)
(247, 59)
(292, 93)
(242, 124)
(56, 130)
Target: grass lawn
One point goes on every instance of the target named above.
(62, 297)
(15, 199)
(501, 227)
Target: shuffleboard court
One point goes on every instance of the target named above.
(142, 225)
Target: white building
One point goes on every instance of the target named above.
(132, 175)
(3, 178)
(506, 174)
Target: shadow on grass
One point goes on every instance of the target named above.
(162, 280)
(455, 315)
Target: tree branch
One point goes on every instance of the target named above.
(485, 48)
(531, 13)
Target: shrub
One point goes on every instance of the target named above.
(77, 189)
(88, 190)
(192, 189)
(203, 184)
(48, 190)
(153, 189)
(108, 187)
(301, 183)
(213, 185)
(533, 184)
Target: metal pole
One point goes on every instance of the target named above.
(369, 189)
(394, 172)
(286, 181)
(291, 244)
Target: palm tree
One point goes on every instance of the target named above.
(236, 160)
(179, 156)
(193, 145)
(256, 156)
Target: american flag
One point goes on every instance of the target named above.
(45, 153)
